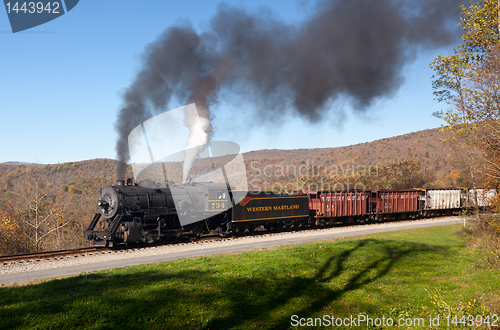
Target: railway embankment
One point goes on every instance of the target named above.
(429, 277)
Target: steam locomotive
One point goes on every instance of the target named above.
(148, 212)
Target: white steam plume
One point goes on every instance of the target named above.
(198, 137)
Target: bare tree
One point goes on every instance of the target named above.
(41, 218)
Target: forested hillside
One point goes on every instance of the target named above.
(418, 159)
(45, 207)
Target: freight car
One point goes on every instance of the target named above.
(442, 201)
(331, 207)
(131, 213)
(483, 197)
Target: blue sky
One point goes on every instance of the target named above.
(61, 83)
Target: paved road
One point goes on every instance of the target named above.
(77, 269)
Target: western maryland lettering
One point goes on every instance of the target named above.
(285, 207)
(270, 207)
(273, 208)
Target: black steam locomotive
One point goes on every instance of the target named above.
(147, 212)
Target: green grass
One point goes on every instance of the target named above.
(414, 273)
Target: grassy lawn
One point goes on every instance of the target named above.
(410, 274)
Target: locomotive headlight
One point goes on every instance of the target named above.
(103, 204)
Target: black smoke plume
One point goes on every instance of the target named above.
(345, 48)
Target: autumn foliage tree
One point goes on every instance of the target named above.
(468, 81)
(482, 102)
(11, 235)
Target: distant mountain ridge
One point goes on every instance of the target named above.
(22, 163)
(424, 148)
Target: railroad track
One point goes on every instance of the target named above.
(37, 256)
(51, 254)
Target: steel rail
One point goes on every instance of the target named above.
(49, 254)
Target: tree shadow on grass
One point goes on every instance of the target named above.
(166, 296)
(386, 254)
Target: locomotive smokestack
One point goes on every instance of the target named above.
(120, 182)
(345, 50)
